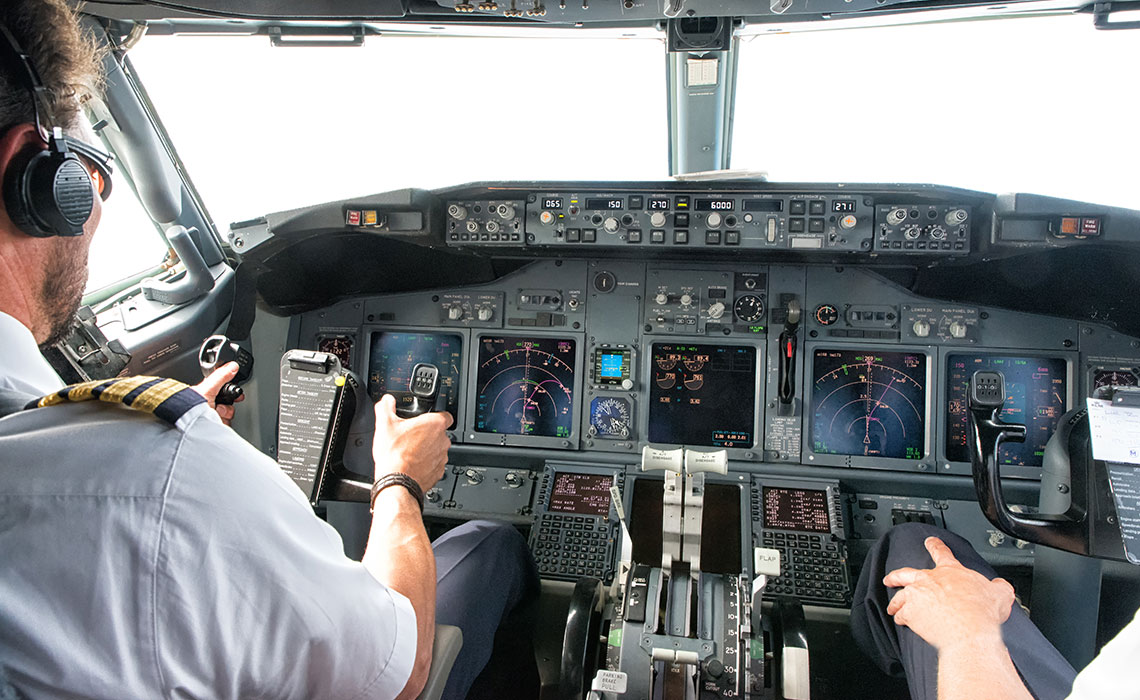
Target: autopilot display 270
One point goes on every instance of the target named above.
(869, 403)
(525, 386)
(703, 395)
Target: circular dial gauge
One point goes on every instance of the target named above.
(611, 416)
(526, 386)
(749, 308)
(339, 345)
(869, 403)
(1114, 377)
(826, 314)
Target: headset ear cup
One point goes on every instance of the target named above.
(15, 186)
(60, 192)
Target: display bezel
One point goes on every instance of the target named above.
(751, 452)
(1007, 470)
(363, 361)
(811, 457)
(565, 443)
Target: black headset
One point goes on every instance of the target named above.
(50, 192)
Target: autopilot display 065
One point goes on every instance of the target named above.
(703, 395)
(525, 386)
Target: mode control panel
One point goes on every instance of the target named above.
(923, 228)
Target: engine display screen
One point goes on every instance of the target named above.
(526, 386)
(869, 402)
(581, 494)
(393, 355)
(1035, 394)
(795, 509)
(703, 395)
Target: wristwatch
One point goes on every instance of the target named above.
(396, 479)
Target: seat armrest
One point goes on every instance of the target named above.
(448, 642)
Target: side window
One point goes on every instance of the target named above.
(127, 242)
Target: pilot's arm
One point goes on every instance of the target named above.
(253, 595)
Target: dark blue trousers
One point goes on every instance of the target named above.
(483, 570)
(898, 650)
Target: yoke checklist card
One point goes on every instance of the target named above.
(1115, 431)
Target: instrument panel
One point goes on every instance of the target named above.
(595, 355)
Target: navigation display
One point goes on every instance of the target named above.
(526, 386)
(703, 395)
(393, 355)
(869, 403)
(581, 494)
(795, 509)
(1035, 394)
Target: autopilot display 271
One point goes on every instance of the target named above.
(869, 403)
(703, 395)
(525, 386)
(393, 355)
(1035, 389)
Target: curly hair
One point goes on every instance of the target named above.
(66, 57)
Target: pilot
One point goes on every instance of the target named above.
(162, 555)
(928, 606)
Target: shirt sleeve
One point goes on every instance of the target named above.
(253, 594)
(1114, 673)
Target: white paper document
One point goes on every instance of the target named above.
(1115, 431)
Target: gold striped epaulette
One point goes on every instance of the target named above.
(166, 399)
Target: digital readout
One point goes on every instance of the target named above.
(552, 203)
(768, 205)
(658, 204)
(843, 206)
(611, 365)
(795, 509)
(603, 203)
(715, 204)
(581, 494)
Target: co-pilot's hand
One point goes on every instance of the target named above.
(414, 446)
(211, 385)
(950, 603)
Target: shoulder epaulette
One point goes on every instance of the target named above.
(166, 399)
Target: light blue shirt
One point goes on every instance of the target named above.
(145, 561)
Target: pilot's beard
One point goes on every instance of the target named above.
(65, 278)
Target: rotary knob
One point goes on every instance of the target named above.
(848, 222)
(896, 217)
(546, 218)
(505, 211)
(686, 299)
(937, 232)
(657, 219)
(610, 224)
(713, 220)
(912, 232)
(513, 480)
(484, 313)
(456, 211)
(921, 328)
(661, 299)
(454, 312)
(958, 330)
(716, 310)
(433, 495)
(627, 384)
(473, 477)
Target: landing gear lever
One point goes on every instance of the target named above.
(786, 385)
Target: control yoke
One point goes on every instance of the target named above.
(319, 400)
(1082, 528)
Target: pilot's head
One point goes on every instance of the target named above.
(42, 276)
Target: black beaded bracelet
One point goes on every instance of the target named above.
(396, 479)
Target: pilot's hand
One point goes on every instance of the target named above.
(949, 604)
(414, 446)
(211, 385)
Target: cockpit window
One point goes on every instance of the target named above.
(126, 242)
(1011, 105)
(264, 129)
